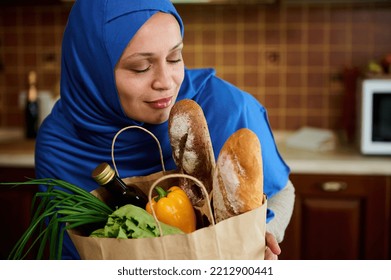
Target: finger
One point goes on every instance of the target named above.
(269, 255)
(272, 243)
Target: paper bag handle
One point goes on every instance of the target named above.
(141, 128)
(195, 180)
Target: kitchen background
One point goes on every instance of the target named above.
(291, 57)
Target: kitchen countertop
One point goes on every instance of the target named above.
(18, 152)
(15, 150)
(339, 161)
(343, 159)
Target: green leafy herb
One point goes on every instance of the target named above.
(130, 221)
(63, 206)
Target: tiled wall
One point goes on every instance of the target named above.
(290, 57)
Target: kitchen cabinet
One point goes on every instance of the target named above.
(15, 207)
(339, 217)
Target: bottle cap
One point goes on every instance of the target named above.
(103, 173)
(32, 94)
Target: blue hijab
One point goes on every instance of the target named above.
(78, 133)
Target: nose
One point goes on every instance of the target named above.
(162, 78)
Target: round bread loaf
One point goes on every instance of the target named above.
(191, 146)
(238, 176)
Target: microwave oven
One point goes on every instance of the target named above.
(375, 116)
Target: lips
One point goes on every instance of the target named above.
(160, 103)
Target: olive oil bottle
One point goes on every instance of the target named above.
(31, 107)
(122, 194)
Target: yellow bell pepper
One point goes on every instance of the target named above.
(174, 208)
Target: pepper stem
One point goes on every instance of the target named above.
(161, 193)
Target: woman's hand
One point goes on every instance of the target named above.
(272, 247)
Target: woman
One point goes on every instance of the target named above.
(122, 65)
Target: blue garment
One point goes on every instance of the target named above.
(78, 133)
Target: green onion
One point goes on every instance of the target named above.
(61, 207)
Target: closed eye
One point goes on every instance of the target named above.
(142, 70)
(175, 61)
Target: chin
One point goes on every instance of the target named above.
(151, 117)
(159, 120)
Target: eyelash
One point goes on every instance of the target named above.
(142, 71)
(146, 69)
(175, 61)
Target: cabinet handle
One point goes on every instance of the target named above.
(333, 186)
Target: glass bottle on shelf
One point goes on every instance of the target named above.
(31, 107)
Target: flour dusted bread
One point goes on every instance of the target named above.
(191, 146)
(235, 180)
(238, 176)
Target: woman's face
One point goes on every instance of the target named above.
(151, 70)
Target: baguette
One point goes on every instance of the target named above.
(191, 147)
(238, 176)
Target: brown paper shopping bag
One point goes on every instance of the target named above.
(239, 237)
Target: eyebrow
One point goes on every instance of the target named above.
(147, 54)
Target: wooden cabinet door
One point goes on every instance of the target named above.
(338, 217)
(15, 207)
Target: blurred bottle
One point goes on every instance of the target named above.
(122, 194)
(31, 107)
(349, 102)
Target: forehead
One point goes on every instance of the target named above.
(160, 24)
(161, 30)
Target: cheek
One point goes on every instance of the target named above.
(128, 88)
(126, 98)
(180, 76)
(128, 94)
